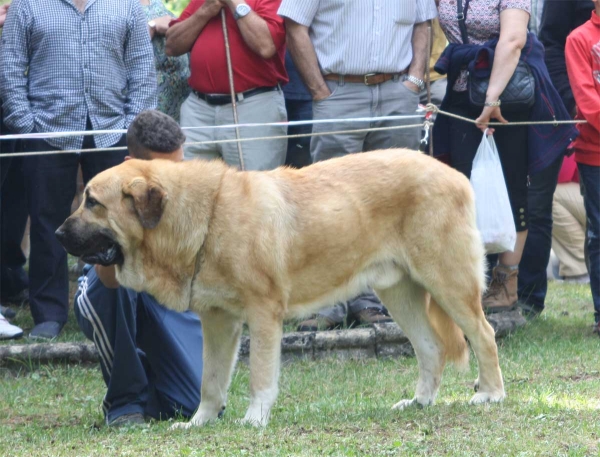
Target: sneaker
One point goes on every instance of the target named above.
(46, 331)
(316, 323)
(9, 331)
(370, 316)
(127, 420)
(596, 328)
(9, 313)
(501, 294)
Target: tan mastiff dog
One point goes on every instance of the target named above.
(261, 247)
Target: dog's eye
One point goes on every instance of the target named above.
(91, 202)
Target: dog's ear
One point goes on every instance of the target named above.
(149, 200)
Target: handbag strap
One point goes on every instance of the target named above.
(461, 16)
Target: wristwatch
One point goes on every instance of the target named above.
(416, 81)
(241, 10)
(152, 24)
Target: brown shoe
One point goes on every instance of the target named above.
(502, 292)
(370, 316)
(316, 323)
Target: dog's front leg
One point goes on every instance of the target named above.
(266, 327)
(221, 333)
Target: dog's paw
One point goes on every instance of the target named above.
(415, 402)
(180, 426)
(476, 385)
(487, 397)
(403, 404)
(255, 420)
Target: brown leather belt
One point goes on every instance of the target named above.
(368, 80)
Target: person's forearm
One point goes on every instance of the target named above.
(305, 59)
(107, 276)
(419, 61)
(255, 32)
(182, 36)
(505, 62)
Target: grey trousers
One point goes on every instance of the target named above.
(258, 155)
(348, 100)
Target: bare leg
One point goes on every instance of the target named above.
(407, 303)
(222, 333)
(512, 258)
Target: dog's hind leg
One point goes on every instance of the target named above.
(407, 303)
(266, 328)
(464, 307)
(458, 293)
(221, 334)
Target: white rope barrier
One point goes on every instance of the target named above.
(233, 140)
(427, 112)
(33, 136)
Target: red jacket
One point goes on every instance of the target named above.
(582, 54)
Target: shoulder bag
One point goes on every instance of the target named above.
(519, 93)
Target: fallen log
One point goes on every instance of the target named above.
(378, 341)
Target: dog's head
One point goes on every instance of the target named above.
(119, 205)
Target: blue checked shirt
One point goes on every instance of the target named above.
(58, 66)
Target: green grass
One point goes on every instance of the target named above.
(551, 370)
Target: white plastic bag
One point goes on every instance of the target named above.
(494, 215)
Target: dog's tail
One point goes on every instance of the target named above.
(456, 349)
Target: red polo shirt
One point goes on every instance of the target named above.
(208, 64)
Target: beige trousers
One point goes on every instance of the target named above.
(568, 232)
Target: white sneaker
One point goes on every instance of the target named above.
(9, 331)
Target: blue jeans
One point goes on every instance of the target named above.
(590, 178)
(13, 220)
(150, 356)
(298, 149)
(533, 281)
(51, 182)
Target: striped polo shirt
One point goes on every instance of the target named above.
(357, 37)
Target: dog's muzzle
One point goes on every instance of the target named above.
(91, 243)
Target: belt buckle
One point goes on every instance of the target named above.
(366, 78)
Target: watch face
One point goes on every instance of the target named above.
(242, 10)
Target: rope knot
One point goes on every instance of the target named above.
(431, 108)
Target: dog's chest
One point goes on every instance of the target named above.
(214, 296)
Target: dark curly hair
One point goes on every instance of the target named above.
(153, 131)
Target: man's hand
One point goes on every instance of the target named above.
(161, 27)
(212, 7)
(3, 12)
(412, 87)
(107, 276)
(321, 93)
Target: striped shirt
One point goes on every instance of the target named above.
(357, 37)
(58, 66)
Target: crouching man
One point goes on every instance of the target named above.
(151, 357)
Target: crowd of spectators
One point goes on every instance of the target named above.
(82, 66)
